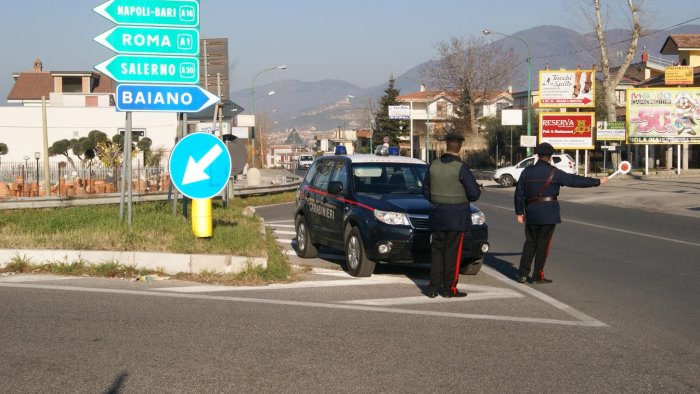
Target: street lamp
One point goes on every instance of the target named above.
(37, 155)
(252, 101)
(529, 88)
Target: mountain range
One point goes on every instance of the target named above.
(330, 104)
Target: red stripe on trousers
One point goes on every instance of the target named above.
(453, 287)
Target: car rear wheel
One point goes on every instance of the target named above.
(356, 260)
(305, 248)
(506, 180)
(470, 267)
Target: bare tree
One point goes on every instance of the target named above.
(472, 67)
(610, 81)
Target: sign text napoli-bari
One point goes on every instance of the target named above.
(152, 69)
(163, 98)
(182, 13)
(151, 40)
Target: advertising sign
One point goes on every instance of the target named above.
(567, 130)
(528, 141)
(512, 117)
(678, 75)
(567, 88)
(610, 131)
(399, 112)
(663, 116)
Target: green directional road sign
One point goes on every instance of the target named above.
(151, 69)
(151, 40)
(181, 13)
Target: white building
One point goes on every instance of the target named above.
(77, 103)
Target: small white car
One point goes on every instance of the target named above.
(305, 161)
(508, 176)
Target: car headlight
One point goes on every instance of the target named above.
(393, 218)
(478, 218)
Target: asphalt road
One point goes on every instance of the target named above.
(621, 316)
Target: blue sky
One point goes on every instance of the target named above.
(359, 41)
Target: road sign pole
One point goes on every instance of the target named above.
(129, 163)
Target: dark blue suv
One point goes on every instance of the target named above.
(372, 208)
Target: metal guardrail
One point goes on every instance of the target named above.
(113, 198)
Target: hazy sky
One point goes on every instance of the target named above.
(359, 41)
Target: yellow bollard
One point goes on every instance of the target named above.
(201, 218)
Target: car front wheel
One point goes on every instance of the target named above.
(356, 260)
(506, 180)
(305, 248)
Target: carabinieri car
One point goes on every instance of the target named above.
(372, 208)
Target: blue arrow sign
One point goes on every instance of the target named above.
(163, 98)
(200, 166)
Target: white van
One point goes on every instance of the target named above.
(508, 176)
(304, 161)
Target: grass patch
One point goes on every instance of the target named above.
(267, 199)
(154, 229)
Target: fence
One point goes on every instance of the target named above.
(25, 178)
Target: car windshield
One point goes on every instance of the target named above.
(385, 178)
(309, 158)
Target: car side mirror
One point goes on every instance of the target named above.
(335, 187)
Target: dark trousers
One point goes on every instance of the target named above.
(538, 238)
(446, 254)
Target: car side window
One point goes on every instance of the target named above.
(310, 174)
(340, 173)
(324, 170)
(556, 159)
(527, 162)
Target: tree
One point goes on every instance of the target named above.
(3, 150)
(383, 126)
(610, 81)
(473, 67)
(144, 145)
(61, 147)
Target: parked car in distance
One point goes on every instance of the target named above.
(305, 161)
(508, 176)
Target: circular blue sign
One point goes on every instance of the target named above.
(200, 166)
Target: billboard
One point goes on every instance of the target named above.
(663, 116)
(512, 117)
(567, 88)
(399, 112)
(610, 131)
(567, 130)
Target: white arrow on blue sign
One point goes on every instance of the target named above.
(163, 98)
(200, 166)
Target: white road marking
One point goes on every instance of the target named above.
(281, 226)
(545, 298)
(288, 303)
(473, 296)
(325, 256)
(285, 232)
(279, 221)
(619, 230)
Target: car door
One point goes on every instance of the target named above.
(337, 204)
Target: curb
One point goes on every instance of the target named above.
(168, 263)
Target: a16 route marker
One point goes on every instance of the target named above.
(623, 168)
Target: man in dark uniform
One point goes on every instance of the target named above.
(536, 205)
(449, 185)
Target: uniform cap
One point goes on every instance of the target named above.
(545, 149)
(454, 136)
